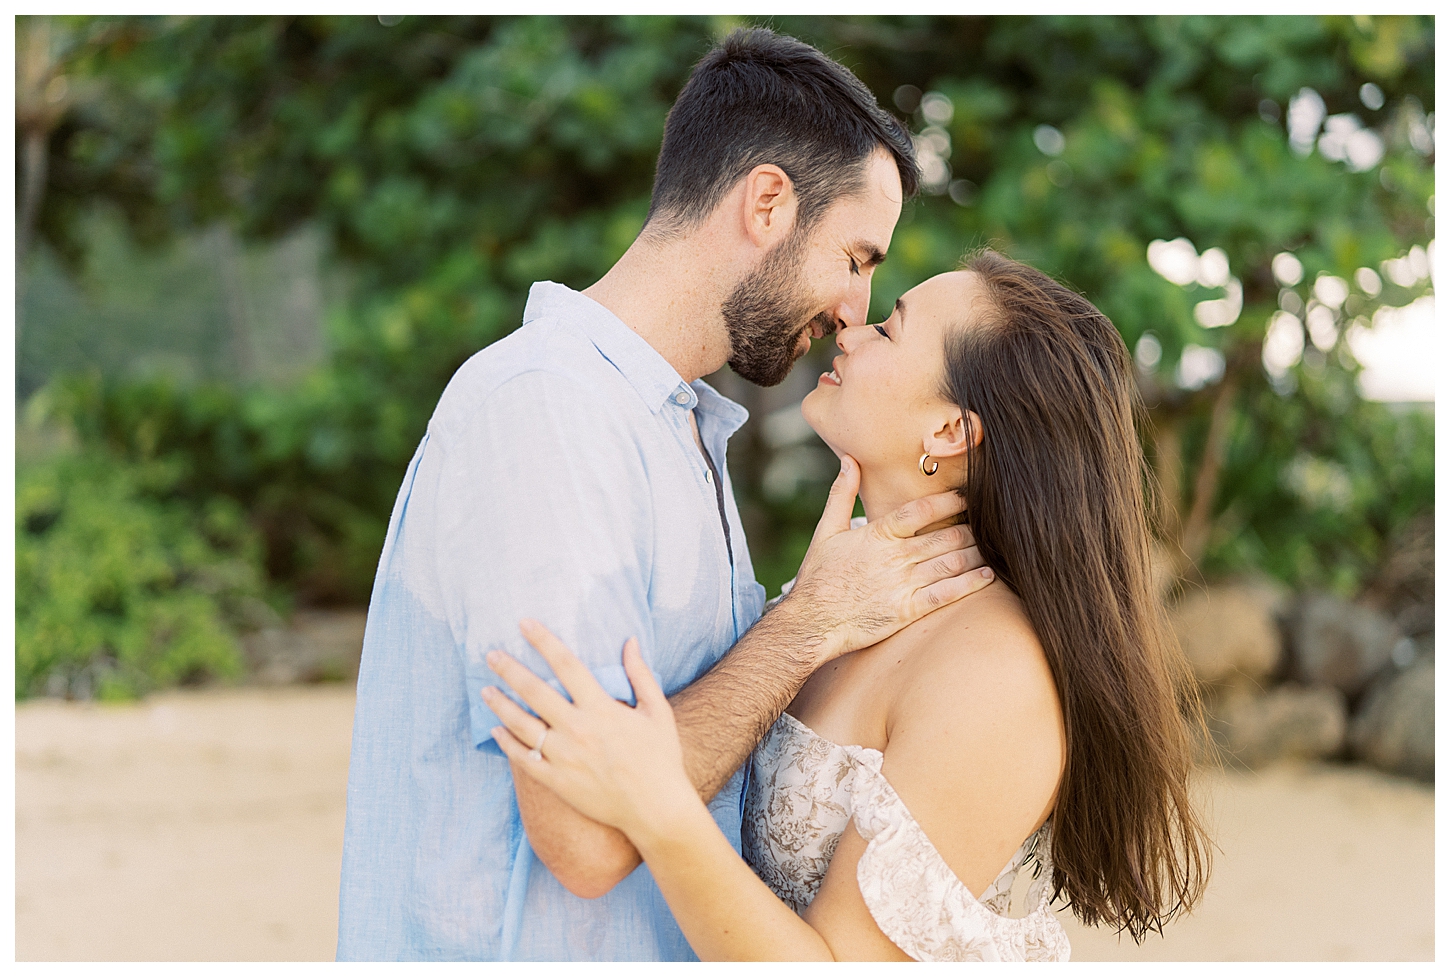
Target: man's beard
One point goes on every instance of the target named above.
(766, 313)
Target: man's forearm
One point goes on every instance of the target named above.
(726, 712)
(588, 858)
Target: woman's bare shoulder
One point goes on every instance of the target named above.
(981, 651)
(975, 737)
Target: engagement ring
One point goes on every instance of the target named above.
(537, 753)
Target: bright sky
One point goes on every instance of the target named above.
(1397, 348)
(1398, 352)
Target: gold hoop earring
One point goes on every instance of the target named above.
(922, 465)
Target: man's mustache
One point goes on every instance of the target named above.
(825, 322)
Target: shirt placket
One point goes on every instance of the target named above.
(686, 399)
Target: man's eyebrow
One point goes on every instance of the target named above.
(872, 254)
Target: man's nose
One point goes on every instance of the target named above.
(857, 302)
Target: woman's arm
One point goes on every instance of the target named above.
(722, 907)
(623, 767)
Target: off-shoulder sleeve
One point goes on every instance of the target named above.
(918, 901)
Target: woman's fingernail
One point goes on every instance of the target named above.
(495, 731)
(986, 573)
(494, 657)
(489, 691)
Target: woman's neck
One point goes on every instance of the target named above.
(882, 492)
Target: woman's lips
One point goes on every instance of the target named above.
(830, 379)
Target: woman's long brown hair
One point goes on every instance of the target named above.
(1055, 498)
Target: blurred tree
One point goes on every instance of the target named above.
(119, 589)
(1158, 164)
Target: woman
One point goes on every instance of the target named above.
(1039, 721)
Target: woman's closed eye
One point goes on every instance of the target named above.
(882, 330)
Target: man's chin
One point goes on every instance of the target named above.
(759, 375)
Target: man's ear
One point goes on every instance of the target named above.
(769, 207)
(956, 433)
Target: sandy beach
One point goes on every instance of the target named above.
(207, 825)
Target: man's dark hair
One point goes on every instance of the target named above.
(761, 98)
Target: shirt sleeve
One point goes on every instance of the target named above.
(542, 511)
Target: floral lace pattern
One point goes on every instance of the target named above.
(803, 791)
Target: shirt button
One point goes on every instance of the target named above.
(682, 398)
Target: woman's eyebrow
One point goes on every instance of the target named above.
(901, 311)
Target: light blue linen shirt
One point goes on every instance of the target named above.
(558, 480)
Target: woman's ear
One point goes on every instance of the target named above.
(974, 429)
(769, 205)
(957, 433)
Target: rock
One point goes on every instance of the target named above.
(1395, 728)
(1230, 632)
(318, 646)
(1289, 723)
(1341, 644)
(1416, 619)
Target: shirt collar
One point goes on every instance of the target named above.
(731, 416)
(647, 371)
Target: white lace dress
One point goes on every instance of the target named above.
(803, 791)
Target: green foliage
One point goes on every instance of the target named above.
(313, 467)
(449, 162)
(119, 589)
(1321, 484)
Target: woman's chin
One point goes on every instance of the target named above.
(822, 431)
(810, 410)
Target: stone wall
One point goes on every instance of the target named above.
(1314, 676)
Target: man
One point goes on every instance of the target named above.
(574, 473)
